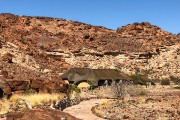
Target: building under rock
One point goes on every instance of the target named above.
(95, 77)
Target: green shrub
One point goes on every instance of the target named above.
(140, 79)
(137, 79)
(175, 80)
(156, 80)
(75, 88)
(177, 87)
(136, 76)
(143, 92)
(165, 82)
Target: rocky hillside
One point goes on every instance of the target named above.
(47, 46)
(178, 35)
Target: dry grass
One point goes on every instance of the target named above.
(4, 106)
(84, 85)
(34, 99)
(66, 81)
(42, 98)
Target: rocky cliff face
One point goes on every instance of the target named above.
(45, 47)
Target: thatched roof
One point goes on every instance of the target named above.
(125, 76)
(79, 71)
(112, 74)
(93, 75)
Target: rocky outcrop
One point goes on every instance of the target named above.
(148, 36)
(41, 114)
(178, 35)
(4, 86)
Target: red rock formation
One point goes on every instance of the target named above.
(33, 34)
(41, 114)
(4, 86)
(178, 35)
(37, 48)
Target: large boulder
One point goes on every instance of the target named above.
(38, 84)
(18, 85)
(41, 114)
(54, 86)
(4, 87)
(50, 86)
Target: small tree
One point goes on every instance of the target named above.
(137, 79)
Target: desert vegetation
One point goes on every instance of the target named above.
(123, 99)
(16, 102)
(141, 102)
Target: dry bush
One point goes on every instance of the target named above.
(136, 90)
(120, 90)
(124, 89)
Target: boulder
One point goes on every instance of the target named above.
(41, 114)
(4, 86)
(18, 85)
(54, 86)
(37, 84)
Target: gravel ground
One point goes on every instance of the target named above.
(159, 104)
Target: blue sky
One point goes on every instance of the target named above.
(108, 13)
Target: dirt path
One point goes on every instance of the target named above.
(83, 110)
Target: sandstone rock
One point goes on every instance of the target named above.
(46, 70)
(4, 86)
(41, 114)
(18, 85)
(7, 57)
(37, 84)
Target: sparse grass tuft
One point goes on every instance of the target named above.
(142, 100)
(136, 90)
